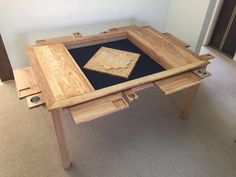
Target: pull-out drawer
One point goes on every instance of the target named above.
(96, 108)
(179, 82)
(26, 82)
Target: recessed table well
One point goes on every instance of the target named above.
(58, 75)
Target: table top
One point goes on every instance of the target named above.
(64, 83)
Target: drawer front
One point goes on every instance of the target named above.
(91, 110)
(177, 83)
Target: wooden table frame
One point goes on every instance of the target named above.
(58, 116)
(63, 85)
(42, 60)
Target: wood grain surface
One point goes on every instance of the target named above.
(100, 107)
(112, 61)
(63, 84)
(176, 40)
(56, 40)
(179, 82)
(62, 78)
(167, 54)
(26, 82)
(124, 86)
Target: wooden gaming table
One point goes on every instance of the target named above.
(57, 78)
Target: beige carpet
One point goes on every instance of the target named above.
(147, 140)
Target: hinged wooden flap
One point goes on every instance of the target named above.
(96, 108)
(26, 82)
(179, 82)
(34, 101)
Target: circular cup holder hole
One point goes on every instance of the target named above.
(35, 99)
(200, 71)
(132, 95)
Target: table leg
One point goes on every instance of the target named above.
(188, 101)
(57, 116)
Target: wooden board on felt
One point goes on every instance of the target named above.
(113, 61)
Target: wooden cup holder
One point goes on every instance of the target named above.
(35, 99)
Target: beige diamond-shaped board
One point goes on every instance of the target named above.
(113, 61)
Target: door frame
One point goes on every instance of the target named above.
(212, 23)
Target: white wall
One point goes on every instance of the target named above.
(186, 18)
(24, 18)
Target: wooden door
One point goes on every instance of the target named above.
(224, 35)
(5, 66)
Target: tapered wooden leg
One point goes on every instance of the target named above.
(57, 116)
(188, 101)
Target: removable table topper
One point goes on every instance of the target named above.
(113, 61)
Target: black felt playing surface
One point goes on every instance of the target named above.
(145, 65)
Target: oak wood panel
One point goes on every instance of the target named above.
(152, 29)
(80, 41)
(113, 61)
(59, 39)
(57, 116)
(96, 39)
(100, 107)
(66, 85)
(63, 77)
(164, 52)
(176, 40)
(124, 28)
(41, 79)
(26, 82)
(21, 79)
(188, 101)
(54, 40)
(179, 82)
(124, 86)
(165, 38)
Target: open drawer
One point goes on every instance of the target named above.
(26, 82)
(179, 82)
(97, 108)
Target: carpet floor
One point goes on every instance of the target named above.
(146, 140)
